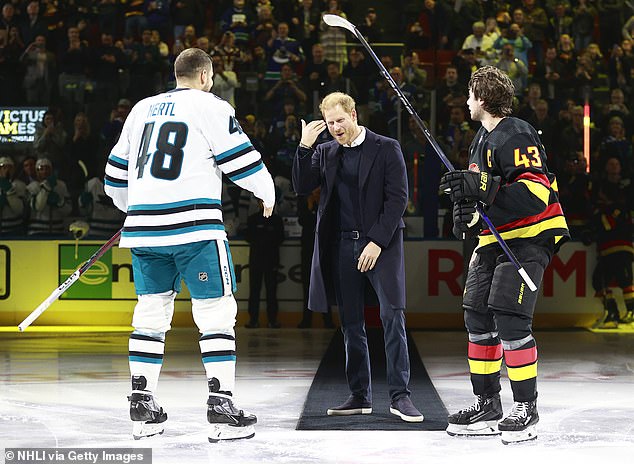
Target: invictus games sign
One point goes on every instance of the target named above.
(18, 124)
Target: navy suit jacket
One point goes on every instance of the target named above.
(383, 199)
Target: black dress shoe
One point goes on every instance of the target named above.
(252, 325)
(353, 405)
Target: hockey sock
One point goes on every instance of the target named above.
(521, 365)
(628, 296)
(485, 361)
(146, 356)
(218, 353)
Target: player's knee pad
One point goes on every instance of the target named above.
(215, 315)
(154, 312)
(513, 326)
(510, 293)
(479, 322)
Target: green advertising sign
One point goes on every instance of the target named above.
(96, 282)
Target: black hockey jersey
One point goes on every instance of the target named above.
(526, 205)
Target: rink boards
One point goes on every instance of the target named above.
(30, 270)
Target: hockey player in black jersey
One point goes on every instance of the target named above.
(508, 176)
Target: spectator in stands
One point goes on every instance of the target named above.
(315, 71)
(108, 60)
(232, 55)
(571, 140)
(83, 156)
(617, 145)
(27, 173)
(413, 73)
(74, 62)
(561, 21)
(478, 41)
(610, 22)
(514, 67)
(549, 75)
(574, 194)
(40, 72)
(582, 25)
(11, 72)
(333, 38)
(32, 24)
(103, 218)
(515, 37)
(619, 69)
(112, 129)
(12, 199)
(526, 109)
(370, 28)
(50, 140)
(598, 61)
(535, 27)
(145, 68)
(491, 29)
(305, 23)
(451, 92)
(359, 71)
(135, 21)
(616, 107)
(285, 88)
(238, 19)
(49, 200)
(265, 26)
(225, 82)
(434, 22)
(282, 49)
(158, 17)
(391, 106)
(7, 21)
(184, 13)
(545, 126)
(335, 82)
(585, 78)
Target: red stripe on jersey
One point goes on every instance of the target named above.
(551, 210)
(488, 353)
(541, 178)
(615, 243)
(516, 358)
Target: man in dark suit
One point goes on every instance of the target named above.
(359, 239)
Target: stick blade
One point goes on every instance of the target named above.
(338, 21)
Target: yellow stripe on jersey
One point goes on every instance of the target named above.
(540, 191)
(558, 222)
(616, 249)
(484, 367)
(517, 374)
(554, 186)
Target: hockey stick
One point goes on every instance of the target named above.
(338, 21)
(74, 277)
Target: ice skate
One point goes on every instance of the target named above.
(519, 425)
(226, 421)
(628, 318)
(147, 416)
(479, 419)
(609, 320)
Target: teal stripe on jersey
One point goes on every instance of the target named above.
(246, 173)
(212, 359)
(145, 360)
(221, 156)
(164, 233)
(159, 206)
(118, 160)
(115, 184)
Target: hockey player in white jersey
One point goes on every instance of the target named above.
(166, 173)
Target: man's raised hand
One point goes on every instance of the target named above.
(311, 131)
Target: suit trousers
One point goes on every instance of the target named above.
(350, 292)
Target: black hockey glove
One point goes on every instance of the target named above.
(466, 220)
(470, 185)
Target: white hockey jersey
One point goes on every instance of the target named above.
(166, 169)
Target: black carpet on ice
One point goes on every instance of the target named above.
(329, 388)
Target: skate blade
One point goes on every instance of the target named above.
(530, 433)
(479, 429)
(144, 430)
(224, 432)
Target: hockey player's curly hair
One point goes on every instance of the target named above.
(495, 89)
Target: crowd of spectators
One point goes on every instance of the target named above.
(89, 61)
